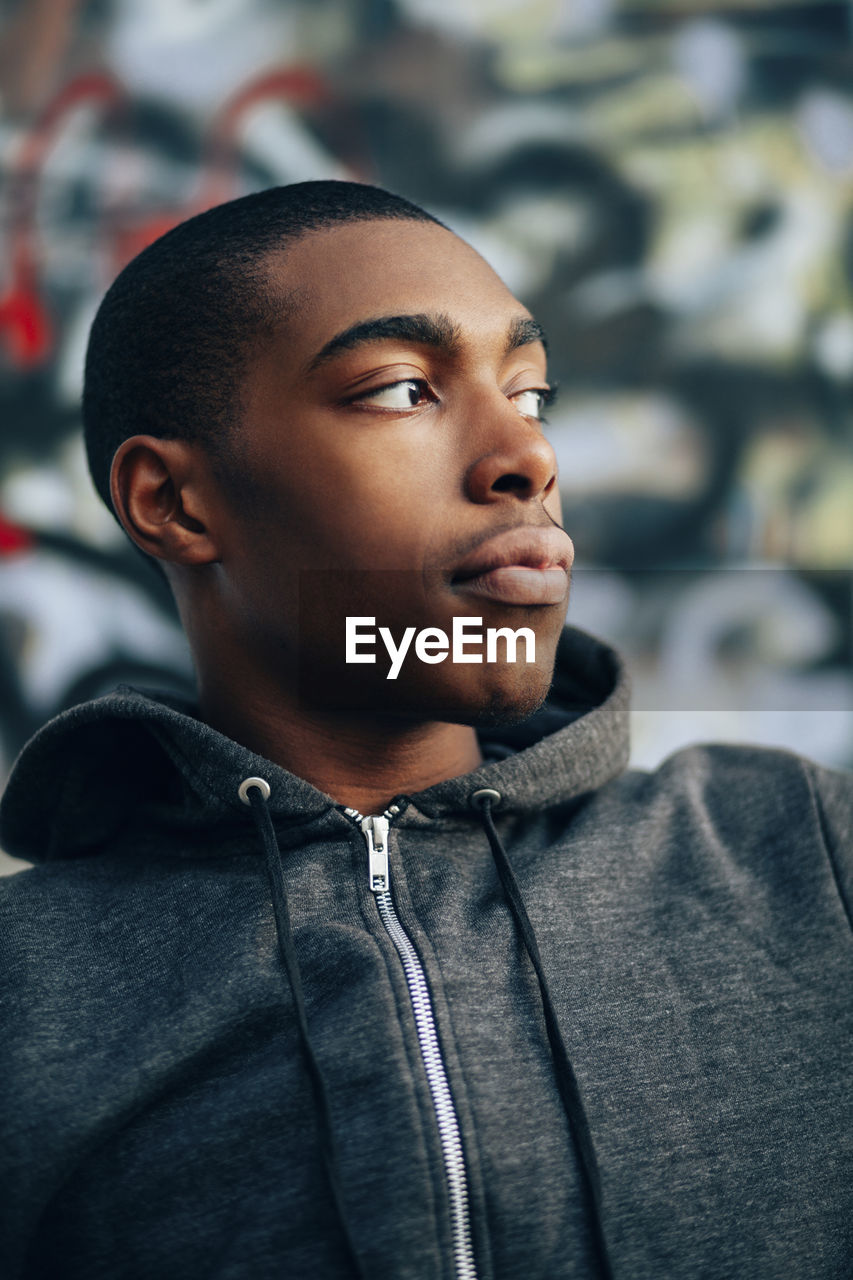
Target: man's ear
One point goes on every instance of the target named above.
(159, 495)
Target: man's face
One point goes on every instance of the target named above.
(390, 463)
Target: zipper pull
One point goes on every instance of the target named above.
(375, 832)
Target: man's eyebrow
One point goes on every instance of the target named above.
(432, 331)
(524, 330)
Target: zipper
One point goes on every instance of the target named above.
(375, 831)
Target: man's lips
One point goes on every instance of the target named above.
(517, 584)
(524, 566)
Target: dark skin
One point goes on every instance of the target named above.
(365, 469)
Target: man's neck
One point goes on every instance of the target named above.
(361, 762)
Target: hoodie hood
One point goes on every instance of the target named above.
(81, 784)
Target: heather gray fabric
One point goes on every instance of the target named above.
(695, 927)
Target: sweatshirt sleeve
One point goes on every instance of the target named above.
(833, 793)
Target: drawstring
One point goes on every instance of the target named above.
(567, 1084)
(255, 792)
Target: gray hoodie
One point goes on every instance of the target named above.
(229, 1049)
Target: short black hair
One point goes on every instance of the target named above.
(170, 342)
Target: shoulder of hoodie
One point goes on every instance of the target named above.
(741, 784)
(752, 798)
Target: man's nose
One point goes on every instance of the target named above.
(519, 461)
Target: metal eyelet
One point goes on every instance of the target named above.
(485, 796)
(246, 786)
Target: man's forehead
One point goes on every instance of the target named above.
(345, 286)
(375, 265)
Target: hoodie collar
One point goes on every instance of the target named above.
(87, 776)
(578, 741)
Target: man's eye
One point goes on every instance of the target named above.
(532, 402)
(397, 395)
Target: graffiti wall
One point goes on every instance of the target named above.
(667, 185)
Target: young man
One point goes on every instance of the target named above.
(532, 1015)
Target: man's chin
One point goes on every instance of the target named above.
(482, 704)
(501, 711)
(486, 704)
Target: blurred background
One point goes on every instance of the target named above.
(667, 184)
